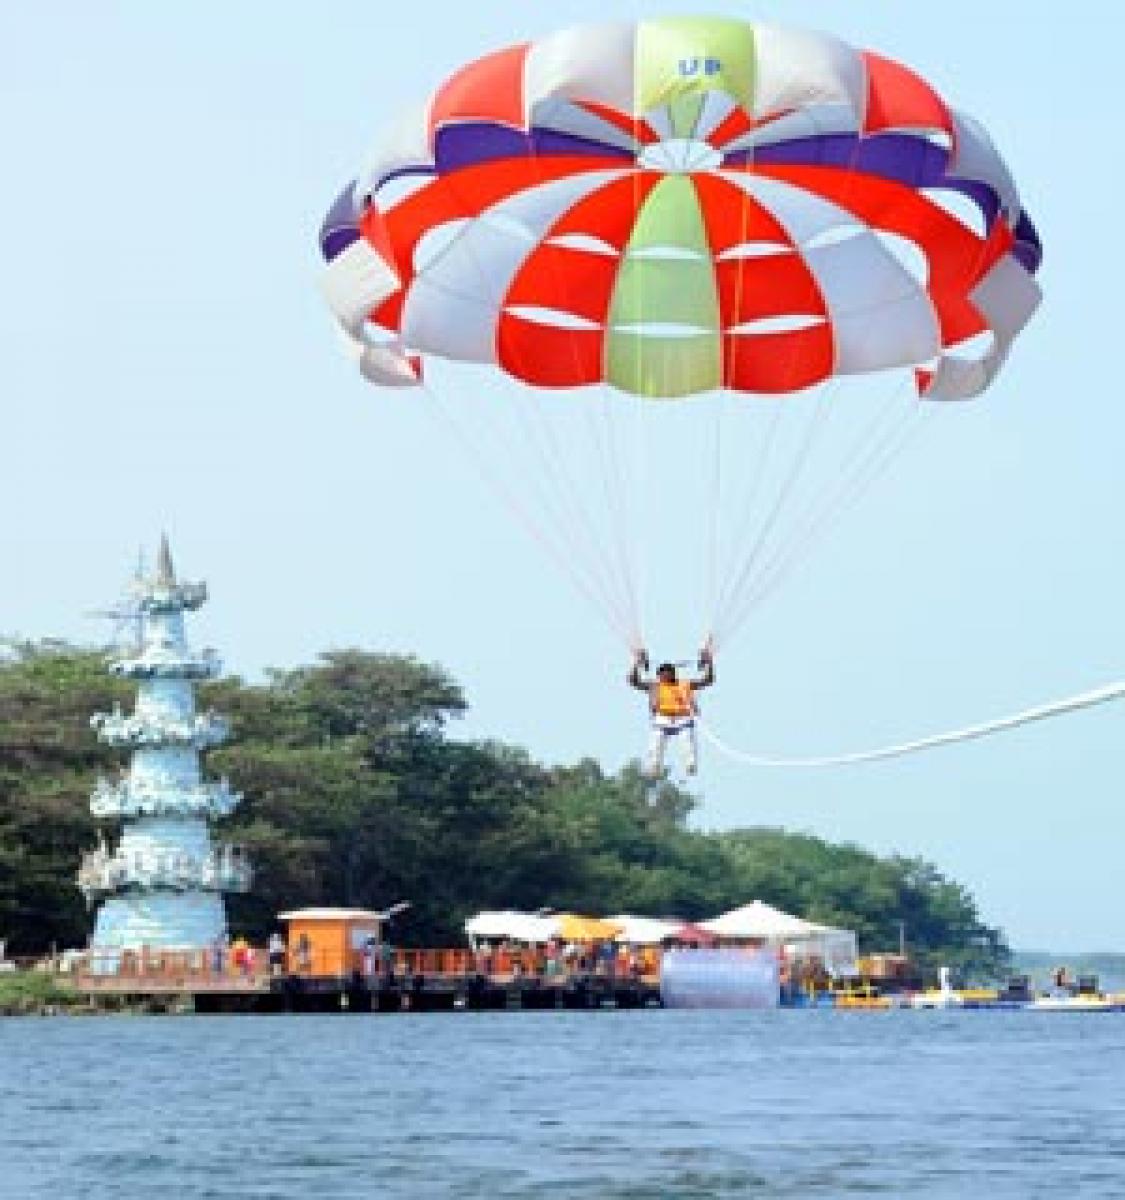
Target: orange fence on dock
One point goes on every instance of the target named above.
(249, 968)
(171, 970)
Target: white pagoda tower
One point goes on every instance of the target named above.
(162, 884)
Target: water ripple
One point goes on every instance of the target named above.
(616, 1106)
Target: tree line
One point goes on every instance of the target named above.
(356, 793)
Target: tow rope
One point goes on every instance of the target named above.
(1042, 712)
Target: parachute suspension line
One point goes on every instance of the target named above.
(869, 458)
(1043, 712)
(604, 435)
(715, 598)
(610, 569)
(565, 548)
(742, 596)
(561, 500)
(794, 472)
(745, 525)
(615, 550)
(557, 503)
(639, 439)
(584, 531)
(576, 521)
(873, 465)
(763, 572)
(740, 578)
(579, 577)
(849, 493)
(712, 598)
(610, 551)
(832, 504)
(510, 499)
(599, 551)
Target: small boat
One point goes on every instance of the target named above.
(1078, 1002)
(854, 1000)
(864, 996)
(1083, 996)
(945, 995)
(936, 998)
(955, 998)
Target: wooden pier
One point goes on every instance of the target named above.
(414, 981)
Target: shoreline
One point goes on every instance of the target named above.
(41, 994)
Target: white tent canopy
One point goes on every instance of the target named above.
(515, 926)
(759, 921)
(645, 931)
(535, 928)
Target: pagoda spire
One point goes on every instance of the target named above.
(165, 572)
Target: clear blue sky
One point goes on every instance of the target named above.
(168, 363)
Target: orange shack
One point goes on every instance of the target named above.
(329, 941)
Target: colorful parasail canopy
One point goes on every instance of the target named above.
(681, 205)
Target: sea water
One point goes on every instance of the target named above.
(557, 1104)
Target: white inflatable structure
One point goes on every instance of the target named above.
(730, 978)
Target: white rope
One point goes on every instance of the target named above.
(1042, 712)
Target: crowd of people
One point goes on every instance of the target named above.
(557, 959)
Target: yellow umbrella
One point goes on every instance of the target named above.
(576, 928)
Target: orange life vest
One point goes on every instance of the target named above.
(673, 699)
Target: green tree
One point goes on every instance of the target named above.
(355, 793)
(48, 762)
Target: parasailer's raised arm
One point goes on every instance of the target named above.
(635, 678)
(707, 667)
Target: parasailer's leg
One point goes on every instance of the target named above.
(654, 759)
(690, 748)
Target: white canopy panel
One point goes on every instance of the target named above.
(516, 926)
(645, 931)
(759, 920)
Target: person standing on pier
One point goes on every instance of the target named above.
(276, 948)
(368, 957)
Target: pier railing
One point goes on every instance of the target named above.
(170, 970)
(240, 968)
(506, 965)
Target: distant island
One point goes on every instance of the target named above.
(1108, 966)
(355, 793)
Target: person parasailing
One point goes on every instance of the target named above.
(782, 212)
(673, 708)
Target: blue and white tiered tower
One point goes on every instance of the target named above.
(162, 885)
